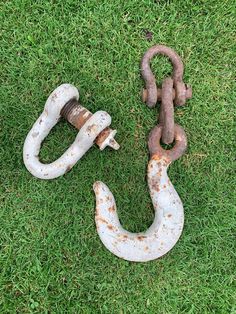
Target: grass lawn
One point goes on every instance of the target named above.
(51, 258)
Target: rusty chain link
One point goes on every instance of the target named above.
(173, 92)
(166, 118)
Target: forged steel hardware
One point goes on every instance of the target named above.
(168, 223)
(63, 101)
(180, 91)
(173, 89)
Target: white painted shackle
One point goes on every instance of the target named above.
(90, 130)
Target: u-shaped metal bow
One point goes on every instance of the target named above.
(63, 101)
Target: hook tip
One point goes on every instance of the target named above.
(96, 185)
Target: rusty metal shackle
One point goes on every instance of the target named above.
(180, 92)
(168, 223)
(173, 91)
(63, 102)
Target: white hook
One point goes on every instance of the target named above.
(161, 236)
(47, 120)
(168, 223)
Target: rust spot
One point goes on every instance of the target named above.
(156, 157)
(141, 238)
(102, 136)
(169, 215)
(111, 209)
(110, 227)
(68, 168)
(78, 116)
(96, 187)
(92, 128)
(156, 187)
(108, 198)
(102, 220)
(146, 248)
(164, 186)
(123, 237)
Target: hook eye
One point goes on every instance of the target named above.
(175, 152)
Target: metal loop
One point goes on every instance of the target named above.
(148, 76)
(166, 118)
(171, 154)
(151, 94)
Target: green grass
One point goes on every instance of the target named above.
(51, 258)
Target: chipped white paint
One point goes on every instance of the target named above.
(164, 232)
(47, 120)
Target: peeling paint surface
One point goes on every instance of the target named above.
(47, 120)
(164, 232)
